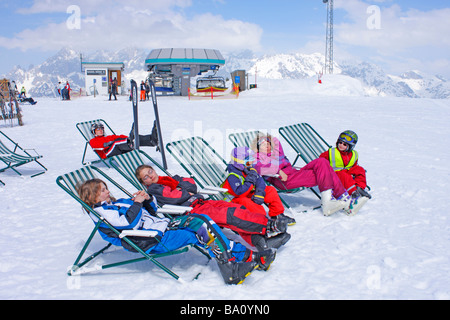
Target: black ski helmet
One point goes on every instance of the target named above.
(96, 126)
(349, 137)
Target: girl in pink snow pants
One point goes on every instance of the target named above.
(273, 164)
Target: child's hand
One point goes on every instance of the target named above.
(140, 196)
(283, 176)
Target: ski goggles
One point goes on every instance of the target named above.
(345, 138)
(246, 162)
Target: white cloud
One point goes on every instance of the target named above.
(403, 40)
(398, 30)
(144, 24)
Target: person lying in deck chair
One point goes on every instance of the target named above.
(235, 261)
(113, 145)
(271, 160)
(254, 228)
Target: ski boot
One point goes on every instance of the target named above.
(235, 272)
(275, 226)
(355, 204)
(330, 205)
(262, 243)
(290, 221)
(264, 259)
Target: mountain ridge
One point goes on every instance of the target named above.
(65, 66)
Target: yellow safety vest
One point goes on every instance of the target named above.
(336, 161)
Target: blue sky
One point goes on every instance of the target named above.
(401, 36)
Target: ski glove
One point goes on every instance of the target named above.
(252, 175)
(258, 196)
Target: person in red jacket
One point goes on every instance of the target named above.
(112, 145)
(344, 160)
(254, 228)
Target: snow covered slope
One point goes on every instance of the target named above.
(395, 248)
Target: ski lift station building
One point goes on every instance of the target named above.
(98, 76)
(171, 69)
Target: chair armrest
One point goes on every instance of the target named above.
(212, 190)
(172, 209)
(138, 233)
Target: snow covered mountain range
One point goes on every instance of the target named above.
(65, 66)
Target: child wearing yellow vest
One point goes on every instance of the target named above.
(344, 160)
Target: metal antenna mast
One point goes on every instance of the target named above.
(329, 38)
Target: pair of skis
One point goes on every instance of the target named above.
(134, 99)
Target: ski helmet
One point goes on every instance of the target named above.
(242, 157)
(349, 137)
(96, 126)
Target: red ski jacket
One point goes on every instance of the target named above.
(104, 144)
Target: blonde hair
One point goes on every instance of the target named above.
(90, 190)
(137, 173)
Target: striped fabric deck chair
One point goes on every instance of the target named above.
(85, 129)
(13, 156)
(242, 139)
(69, 183)
(127, 163)
(202, 163)
(305, 141)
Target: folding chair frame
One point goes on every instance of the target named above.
(127, 163)
(85, 129)
(306, 142)
(12, 159)
(201, 162)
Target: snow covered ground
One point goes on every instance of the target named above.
(397, 247)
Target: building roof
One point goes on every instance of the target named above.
(184, 56)
(111, 65)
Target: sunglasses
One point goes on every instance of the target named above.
(344, 143)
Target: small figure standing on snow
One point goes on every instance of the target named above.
(143, 90)
(113, 89)
(67, 88)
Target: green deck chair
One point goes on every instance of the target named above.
(305, 141)
(15, 156)
(85, 129)
(127, 163)
(202, 163)
(69, 182)
(241, 139)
